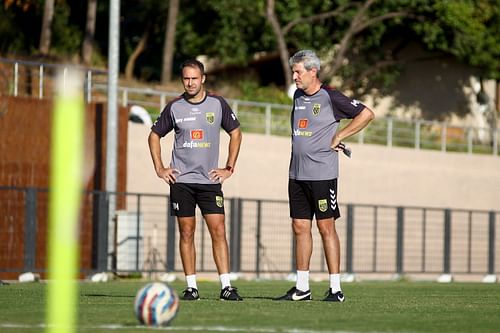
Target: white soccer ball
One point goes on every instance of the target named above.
(156, 304)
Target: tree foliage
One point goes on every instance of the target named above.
(360, 40)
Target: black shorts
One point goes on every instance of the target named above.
(313, 198)
(184, 197)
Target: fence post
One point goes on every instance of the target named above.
(258, 238)
(400, 240)
(447, 241)
(16, 79)
(170, 238)
(100, 232)
(268, 119)
(40, 82)
(30, 230)
(491, 243)
(389, 132)
(235, 235)
(417, 134)
(349, 238)
(443, 137)
(138, 235)
(89, 86)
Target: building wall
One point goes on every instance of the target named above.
(374, 175)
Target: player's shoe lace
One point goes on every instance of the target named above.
(230, 294)
(295, 294)
(190, 294)
(334, 297)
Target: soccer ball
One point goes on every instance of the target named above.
(156, 304)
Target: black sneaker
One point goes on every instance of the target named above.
(334, 297)
(230, 294)
(295, 294)
(190, 294)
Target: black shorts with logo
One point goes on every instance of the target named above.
(184, 197)
(310, 198)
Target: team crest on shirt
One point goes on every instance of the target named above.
(219, 201)
(210, 117)
(322, 205)
(316, 109)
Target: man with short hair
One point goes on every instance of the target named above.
(193, 174)
(312, 187)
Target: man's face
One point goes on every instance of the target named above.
(302, 77)
(193, 80)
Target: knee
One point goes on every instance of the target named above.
(326, 230)
(187, 234)
(218, 232)
(300, 228)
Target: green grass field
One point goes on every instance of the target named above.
(369, 307)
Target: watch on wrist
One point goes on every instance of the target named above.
(229, 168)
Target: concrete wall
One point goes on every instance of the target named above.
(374, 175)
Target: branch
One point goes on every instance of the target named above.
(314, 18)
(380, 18)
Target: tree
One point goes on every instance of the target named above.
(88, 41)
(169, 46)
(139, 48)
(360, 19)
(45, 37)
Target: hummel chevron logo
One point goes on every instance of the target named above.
(340, 298)
(296, 297)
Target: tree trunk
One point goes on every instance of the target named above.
(280, 38)
(88, 42)
(129, 68)
(48, 15)
(169, 44)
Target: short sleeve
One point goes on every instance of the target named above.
(164, 123)
(229, 120)
(343, 106)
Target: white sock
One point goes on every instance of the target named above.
(335, 282)
(191, 281)
(302, 280)
(225, 281)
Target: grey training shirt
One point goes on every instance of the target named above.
(315, 120)
(197, 135)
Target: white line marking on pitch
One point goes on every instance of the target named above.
(185, 328)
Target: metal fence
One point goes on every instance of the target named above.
(374, 238)
(24, 78)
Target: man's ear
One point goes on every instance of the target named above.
(315, 71)
(203, 78)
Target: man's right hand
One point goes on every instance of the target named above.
(168, 174)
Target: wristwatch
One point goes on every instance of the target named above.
(229, 168)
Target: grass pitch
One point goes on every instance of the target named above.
(369, 307)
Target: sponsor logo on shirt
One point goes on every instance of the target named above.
(194, 144)
(297, 132)
(190, 119)
(316, 109)
(302, 107)
(303, 123)
(197, 134)
(210, 116)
